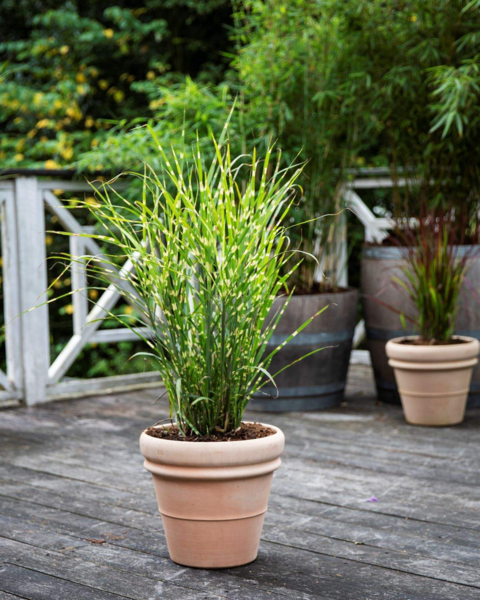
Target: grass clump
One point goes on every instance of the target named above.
(434, 271)
(206, 246)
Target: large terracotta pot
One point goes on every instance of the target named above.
(212, 496)
(433, 381)
(316, 382)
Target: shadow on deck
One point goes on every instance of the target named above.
(79, 519)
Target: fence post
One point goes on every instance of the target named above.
(35, 343)
(11, 291)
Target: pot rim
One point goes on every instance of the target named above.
(167, 425)
(213, 454)
(442, 353)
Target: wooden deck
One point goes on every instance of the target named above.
(79, 519)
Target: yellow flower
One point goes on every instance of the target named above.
(128, 310)
(57, 104)
(82, 90)
(38, 97)
(150, 75)
(48, 240)
(51, 164)
(64, 49)
(93, 294)
(89, 122)
(43, 123)
(58, 284)
(69, 309)
(71, 112)
(18, 157)
(103, 84)
(67, 153)
(108, 33)
(81, 78)
(413, 18)
(118, 96)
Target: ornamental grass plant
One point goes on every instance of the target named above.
(205, 247)
(434, 271)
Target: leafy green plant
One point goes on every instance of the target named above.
(434, 272)
(206, 246)
(72, 69)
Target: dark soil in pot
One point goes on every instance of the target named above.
(247, 431)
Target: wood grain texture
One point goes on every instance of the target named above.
(78, 516)
(35, 338)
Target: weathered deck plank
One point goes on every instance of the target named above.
(78, 515)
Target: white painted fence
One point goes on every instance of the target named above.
(30, 376)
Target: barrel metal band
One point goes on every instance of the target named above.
(312, 339)
(375, 333)
(397, 253)
(308, 390)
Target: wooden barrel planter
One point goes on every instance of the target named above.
(379, 265)
(317, 382)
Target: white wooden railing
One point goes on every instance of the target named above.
(30, 375)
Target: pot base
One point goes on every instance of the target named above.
(434, 411)
(227, 544)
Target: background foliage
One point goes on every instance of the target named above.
(72, 69)
(391, 83)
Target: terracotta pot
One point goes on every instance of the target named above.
(213, 496)
(433, 381)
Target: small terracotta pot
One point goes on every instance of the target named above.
(433, 381)
(213, 496)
